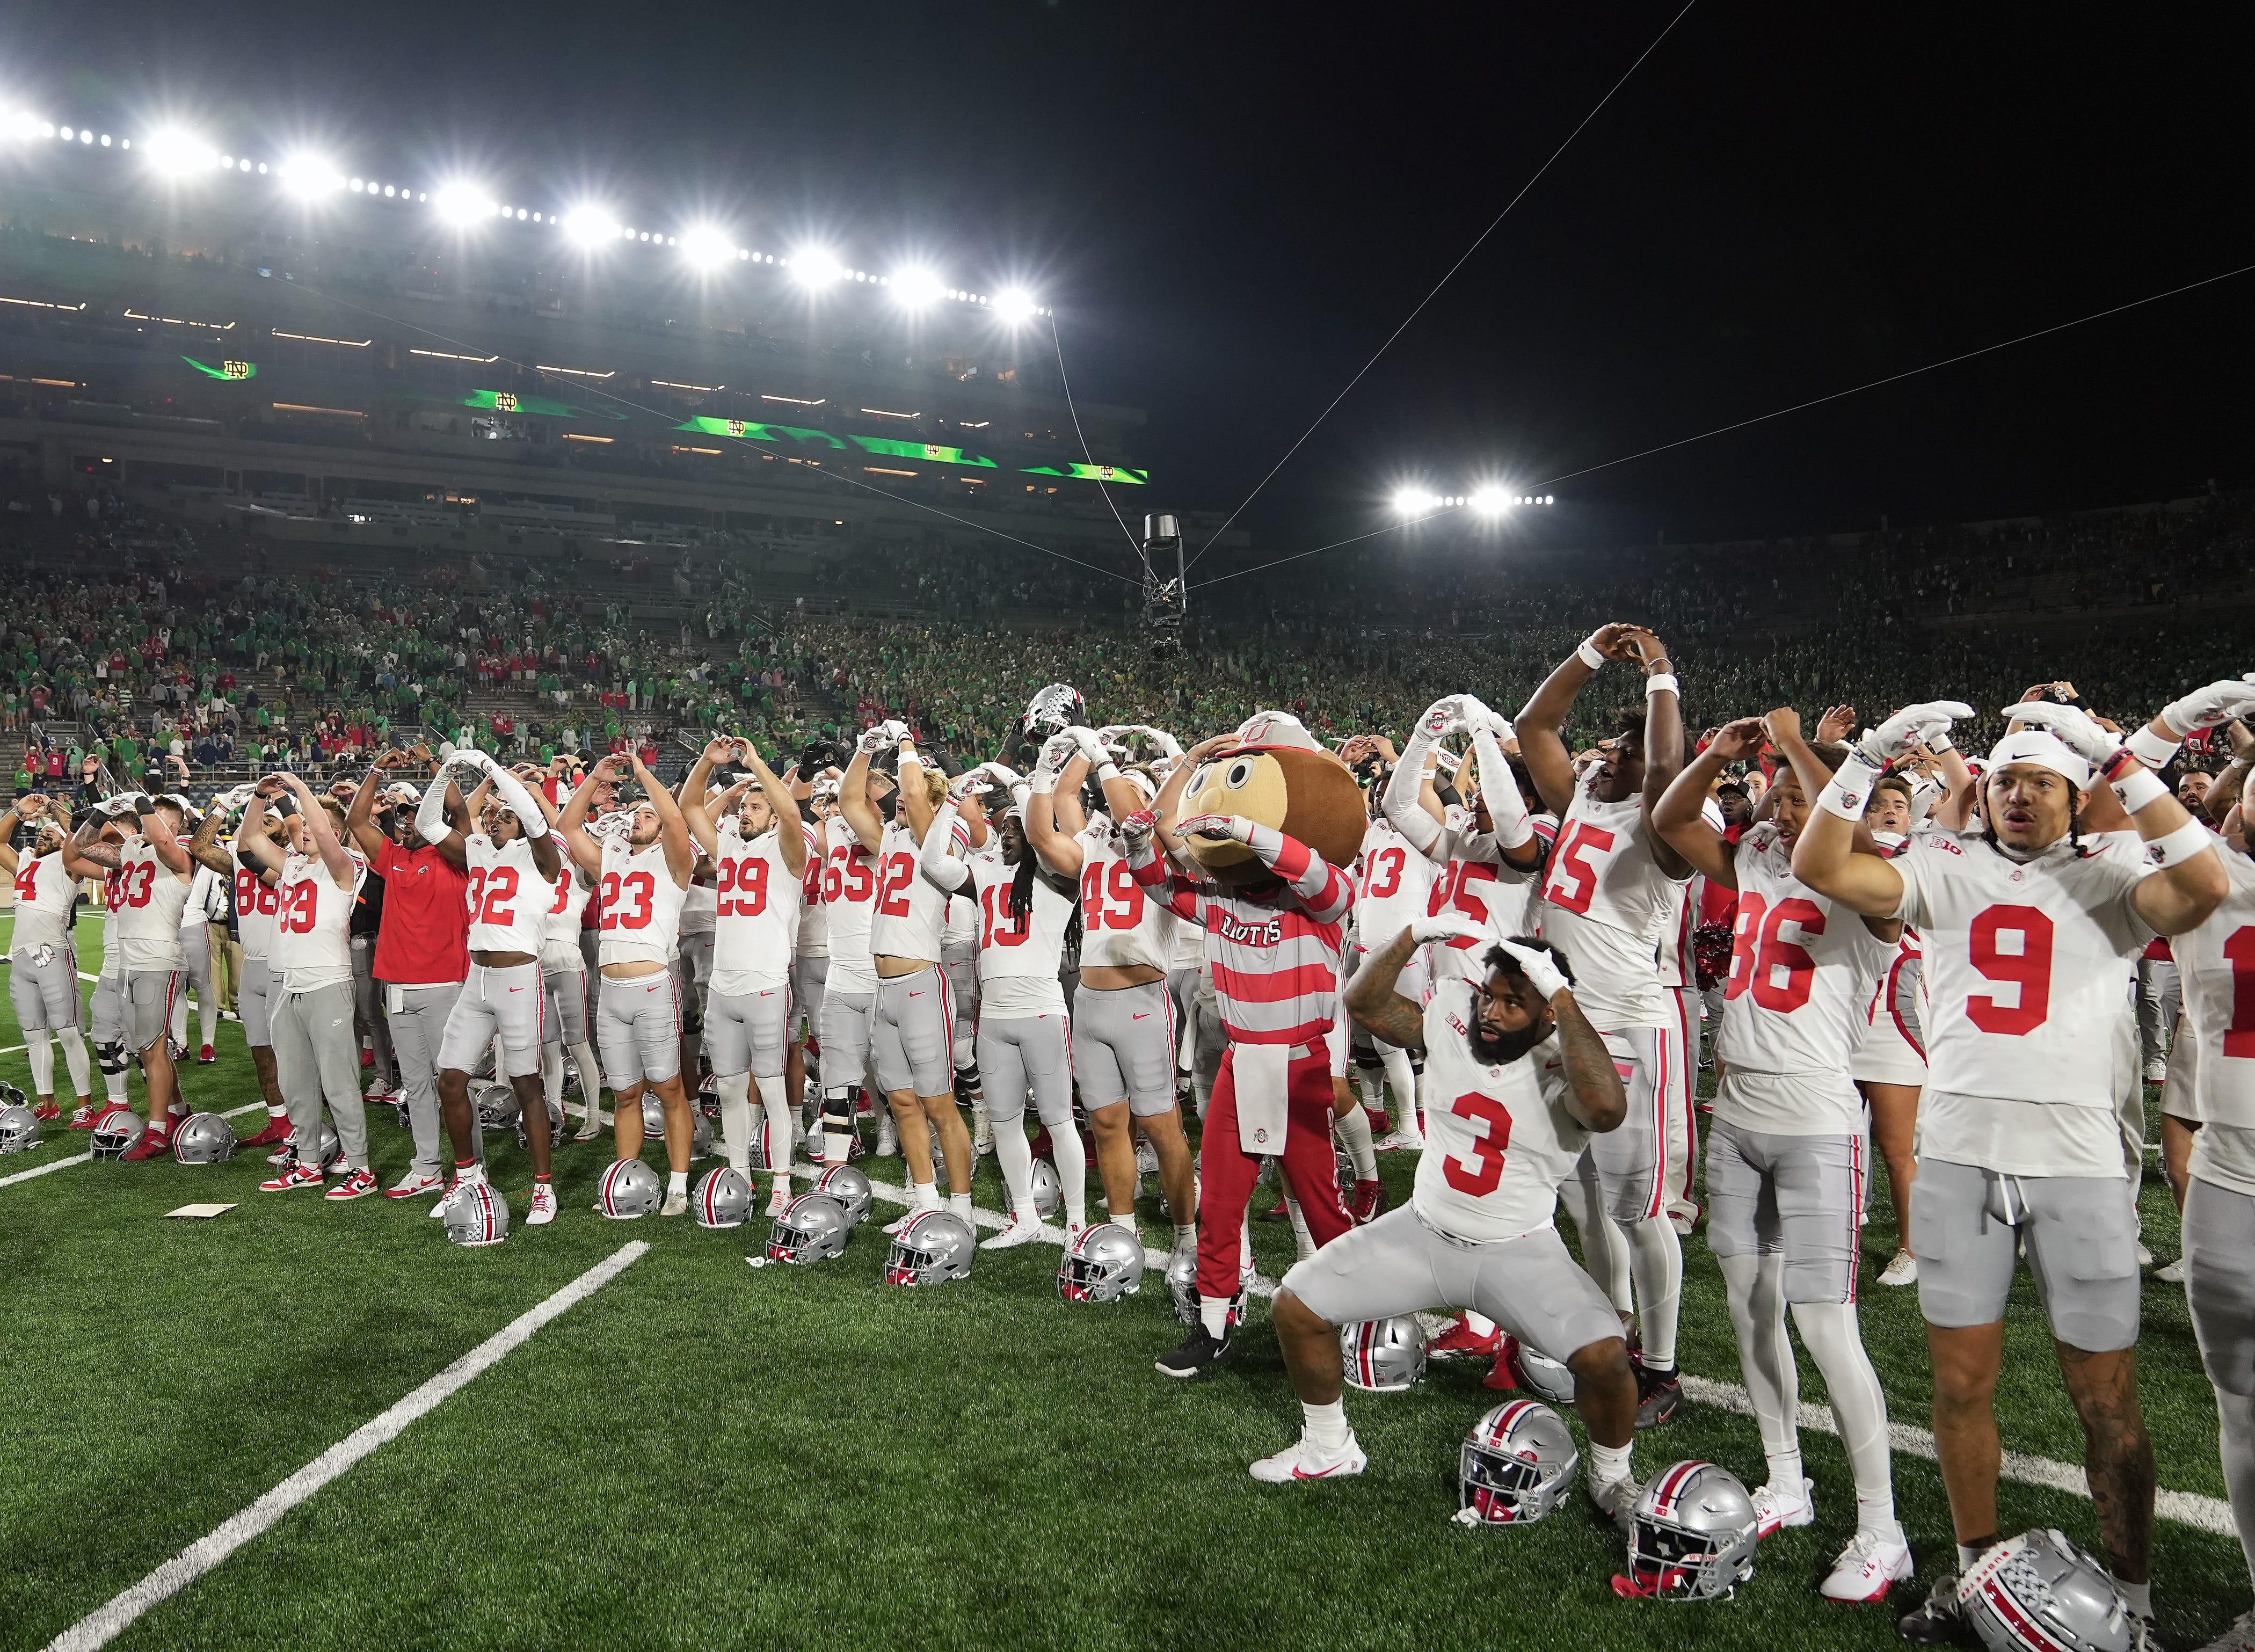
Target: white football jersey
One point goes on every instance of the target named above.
(1802, 968)
(701, 905)
(197, 910)
(642, 905)
(849, 894)
(1605, 902)
(1019, 956)
(1498, 1140)
(1392, 882)
(1119, 928)
(567, 907)
(813, 911)
(2216, 964)
(45, 895)
(151, 896)
(757, 931)
(313, 923)
(2026, 964)
(911, 909)
(256, 904)
(507, 897)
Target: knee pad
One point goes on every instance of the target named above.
(692, 1016)
(1367, 1057)
(838, 1108)
(966, 1078)
(111, 1057)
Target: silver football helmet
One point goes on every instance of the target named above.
(558, 1134)
(722, 1198)
(1691, 1537)
(203, 1138)
(813, 1227)
(1104, 1263)
(1516, 1466)
(2038, 1593)
(758, 1159)
(1183, 1292)
(932, 1247)
(1343, 1172)
(19, 1131)
(476, 1214)
(1537, 1371)
(333, 1146)
(117, 1132)
(1054, 709)
(1384, 1356)
(627, 1188)
(1167, 1209)
(497, 1106)
(1049, 1191)
(850, 1188)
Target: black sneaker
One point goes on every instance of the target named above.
(1200, 1351)
(1938, 1620)
(1659, 1397)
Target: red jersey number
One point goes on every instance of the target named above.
(491, 894)
(299, 907)
(2011, 946)
(27, 882)
(898, 875)
(1573, 881)
(1455, 890)
(1780, 973)
(1382, 876)
(640, 885)
(254, 894)
(1002, 928)
(2239, 953)
(1110, 897)
(1481, 1176)
(848, 878)
(743, 890)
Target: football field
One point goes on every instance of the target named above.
(689, 1452)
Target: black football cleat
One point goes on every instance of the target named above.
(1200, 1352)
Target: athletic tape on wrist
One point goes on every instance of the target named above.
(2151, 749)
(2135, 784)
(2182, 844)
(1661, 682)
(1850, 789)
(1589, 656)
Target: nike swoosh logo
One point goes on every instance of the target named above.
(915, 995)
(1301, 1473)
(1145, 1015)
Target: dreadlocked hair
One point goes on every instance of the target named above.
(1022, 885)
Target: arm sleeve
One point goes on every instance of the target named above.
(430, 816)
(1500, 788)
(936, 859)
(519, 800)
(1324, 894)
(1400, 803)
(1179, 895)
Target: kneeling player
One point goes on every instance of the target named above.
(1526, 1068)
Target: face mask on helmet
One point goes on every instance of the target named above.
(1105, 1263)
(934, 1247)
(1692, 1537)
(812, 1228)
(850, 1188)
(1515, 1466)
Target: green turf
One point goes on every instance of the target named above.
(704, 1455)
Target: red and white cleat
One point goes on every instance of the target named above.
(1503, 1376)
(1778, 1507)
(297, 1176)
(206, 1056)
(272, 1134)
(1867, 1566)
(46, 1112)
(1369, 1199)
(359, 1185)
(83, 1117)
(1304, 1459)
(414, 1185)
(1460, 1341)
(542, 1211)
(155, 1144)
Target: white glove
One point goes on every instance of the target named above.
(1089, 744)
(1445, 716)
(1539, 968)
(896, 731)
(1446, 928)
(2074, 728)
(2206, 708)
(1002, 772)
(1061, 750)
(875, 739)
(1166, 742)
(1894, 738)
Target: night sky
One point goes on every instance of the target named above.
(1232, 205)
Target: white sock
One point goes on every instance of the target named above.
(75, 1057)
(1371, 1083)
(1072, 1171)
(1185, 1238)
(1656, 1266)
(114, 1084)
(1354, 1128)
(179, 1027)
(782, 1137)
(2138, 1597)
(960, 1203)
(1213, 1314)
(207, 1013)
(1013, 1151)
(40, 1052)
(1326, 1424)
(1831, 1334)
(736, 1120)
(1401, 1077)
(677, 1185)
(1301, 1236)
(923, 1196)
(1609, 1463)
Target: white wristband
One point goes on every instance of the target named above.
(2150, 749)
(2138, 787)
(1043, 782)
(2181, 845)
(1850, 788)
(1589, 656)
(1109, 771)
(1661, 682)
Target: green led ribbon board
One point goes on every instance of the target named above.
(235, 370)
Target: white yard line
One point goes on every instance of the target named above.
(99, 1627)
(2186, 1508)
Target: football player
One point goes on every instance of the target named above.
(849, 897)
(1785, 1152)
(514, 867)
(1611, 886)
(1524, 1067)
(2028, 934)
(641, 873)
(316, 1054)
(42, 958)
(760, 849)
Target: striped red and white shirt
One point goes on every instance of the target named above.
(1275, 954)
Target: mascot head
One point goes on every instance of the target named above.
(1275, 772)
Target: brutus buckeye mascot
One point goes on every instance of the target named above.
(1265, 822)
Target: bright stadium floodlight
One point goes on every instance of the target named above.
(814, 268)
(589, 227)
(20, 124)
(310, 177)
(461, 205)
(706, 247)
(1413, 501)
(1491, 501)
(173, 153)
(1014, 306)
(916, 288)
